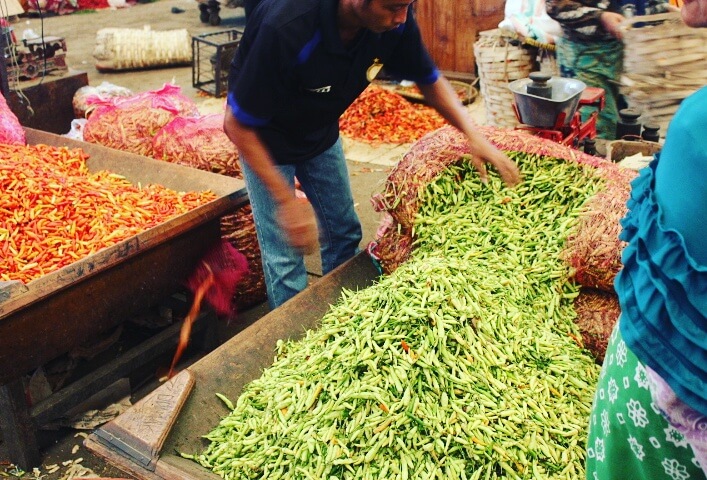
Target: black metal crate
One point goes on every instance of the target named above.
(211, 58)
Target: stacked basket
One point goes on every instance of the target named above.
(664, 62)
(501, 59)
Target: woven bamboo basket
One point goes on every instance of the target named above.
(132, 48)
(665, 61)
(501, 60)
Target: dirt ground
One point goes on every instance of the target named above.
(63, 455)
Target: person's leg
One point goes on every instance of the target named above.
(283, 267)
(628, 436)
(600, 66)
(325, 181)
(565, 58)
(597, 65)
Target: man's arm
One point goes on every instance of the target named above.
(442, 97)
(296, 216)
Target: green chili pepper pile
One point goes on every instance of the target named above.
(461, 364)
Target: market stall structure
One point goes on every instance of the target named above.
(148, 453)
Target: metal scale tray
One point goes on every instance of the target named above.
(545, 112)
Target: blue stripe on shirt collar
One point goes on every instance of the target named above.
(309, 47)
(243, 116)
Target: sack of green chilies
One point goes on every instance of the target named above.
(592, 249)
(462, 362)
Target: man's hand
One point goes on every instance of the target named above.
(442, 97)
(506, 167)
(483, 152)
(611, 22)
(297, 219)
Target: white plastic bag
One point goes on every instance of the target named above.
(529, 19)
(76, 132)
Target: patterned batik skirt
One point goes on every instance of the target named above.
(629, 439)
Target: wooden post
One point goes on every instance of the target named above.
(18, 429)
(449, 29)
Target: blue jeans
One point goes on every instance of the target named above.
(325, 181)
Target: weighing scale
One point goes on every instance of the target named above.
(548, 106)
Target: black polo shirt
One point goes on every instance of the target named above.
(292, 77)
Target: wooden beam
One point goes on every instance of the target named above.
(18, 429)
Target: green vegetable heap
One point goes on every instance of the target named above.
(461, 364)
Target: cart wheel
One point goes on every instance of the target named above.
(204, 13)
(30, 71)
(214, 19)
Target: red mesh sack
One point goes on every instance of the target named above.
(130, 123)
(597, 314)
(197, 142)
(11, 132)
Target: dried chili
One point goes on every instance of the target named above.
(381, 116)
(53, 211)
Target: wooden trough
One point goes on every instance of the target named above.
(145, 440)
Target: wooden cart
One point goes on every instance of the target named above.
(54, 314)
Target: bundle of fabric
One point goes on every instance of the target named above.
(57, 7)
(65, 7)
(529, 19)
(200, 142)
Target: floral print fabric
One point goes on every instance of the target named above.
(629, 438)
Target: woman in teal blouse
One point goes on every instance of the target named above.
(649, 419)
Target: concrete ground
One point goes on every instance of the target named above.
(64, 457)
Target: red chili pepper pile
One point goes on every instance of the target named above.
(53, 211)
(382, 116)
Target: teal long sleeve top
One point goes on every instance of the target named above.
(662, 286)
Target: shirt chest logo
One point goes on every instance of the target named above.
(325, 89)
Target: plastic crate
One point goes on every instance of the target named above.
(211, 58)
